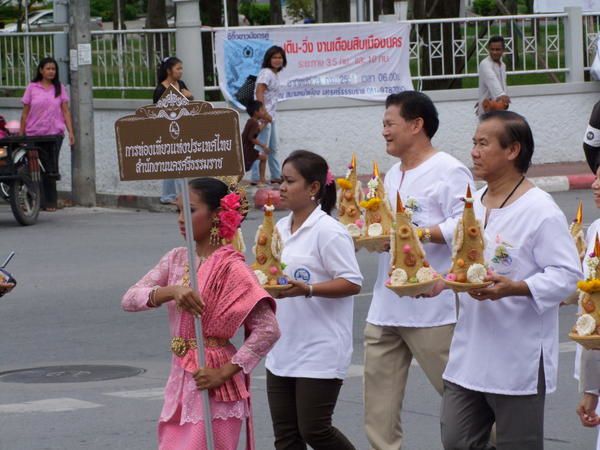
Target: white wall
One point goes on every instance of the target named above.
(335, 128)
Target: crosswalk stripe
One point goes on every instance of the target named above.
(49, 405)
(152, 393)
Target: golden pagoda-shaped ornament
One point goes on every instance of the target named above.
(587, 328)
(468, 269)
(349, 196)
(378, 216)
(576, 230)
(410, 273)
(267, 249)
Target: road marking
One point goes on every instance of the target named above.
(49, 405)
(151, 393)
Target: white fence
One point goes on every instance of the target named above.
(439, 49)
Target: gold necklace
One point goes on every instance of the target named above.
(185, 280)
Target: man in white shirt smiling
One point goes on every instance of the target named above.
(431, 183)
(492, 78)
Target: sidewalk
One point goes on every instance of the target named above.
(555, 177)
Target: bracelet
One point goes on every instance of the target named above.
(424, 235)
(152, 300)
(310, 291)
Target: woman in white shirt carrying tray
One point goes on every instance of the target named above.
(504, 354)
(305, 370)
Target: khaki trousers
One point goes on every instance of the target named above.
(388, 354)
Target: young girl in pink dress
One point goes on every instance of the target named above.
(229, 296)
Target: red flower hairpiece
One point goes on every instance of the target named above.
(230, 217)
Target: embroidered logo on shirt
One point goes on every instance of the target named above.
(413, 205)
(501, 255)
(302, 274)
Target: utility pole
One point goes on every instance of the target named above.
(189, 44)
(83, 170)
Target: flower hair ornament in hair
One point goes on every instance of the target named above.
(329, 180)
(230, 216)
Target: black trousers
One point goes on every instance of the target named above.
(48, 154)
(467, 418)
(301, 410)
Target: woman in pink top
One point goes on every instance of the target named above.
(46, 112)
(229, 296)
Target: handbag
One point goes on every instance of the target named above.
(245, 93)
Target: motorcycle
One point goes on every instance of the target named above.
(20, 175)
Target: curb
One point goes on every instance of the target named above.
(564, 182)
(559, 183)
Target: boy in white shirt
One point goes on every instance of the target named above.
(398, 329)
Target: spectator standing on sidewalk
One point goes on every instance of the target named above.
(46, 112)
(492, 78)
(170, 72)
(267, 91)
(256, 110)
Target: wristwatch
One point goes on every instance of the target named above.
(310, 291)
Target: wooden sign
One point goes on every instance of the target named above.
(177, 138)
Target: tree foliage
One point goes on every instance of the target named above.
(256, 13)
(299, 10)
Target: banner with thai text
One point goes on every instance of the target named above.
(362, 61)
(551, 6)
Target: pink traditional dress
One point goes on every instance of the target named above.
(233, 298)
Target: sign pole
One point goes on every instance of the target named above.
(189, 237)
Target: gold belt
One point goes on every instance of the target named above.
(180, 346)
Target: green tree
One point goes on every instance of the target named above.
(299, 10)
(233, 17)
(436, 9)
(276, 15)
(336, 11)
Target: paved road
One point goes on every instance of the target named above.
(73, 267)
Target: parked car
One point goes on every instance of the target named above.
(43, 20)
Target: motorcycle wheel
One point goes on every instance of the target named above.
(4, 191)
(25, 198)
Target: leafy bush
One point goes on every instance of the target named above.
(257, 13)
(300, 9)
(8, 12)
(485, 7)
(104, 9)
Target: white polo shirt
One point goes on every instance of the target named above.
(497, 344)
(316, 333)
(434, 189)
